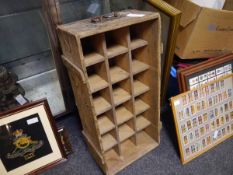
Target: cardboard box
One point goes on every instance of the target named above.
(204, 32)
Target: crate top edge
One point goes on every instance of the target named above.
(84, 28)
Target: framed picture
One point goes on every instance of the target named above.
(170, 18)
(203, 117)
(65, 140)
(52, 17)
(29, 142)
(196, 75)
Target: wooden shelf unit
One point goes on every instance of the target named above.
(114, 67)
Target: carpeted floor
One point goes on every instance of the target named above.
(164, 160)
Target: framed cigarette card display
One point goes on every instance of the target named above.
(29, 141)
(203, 117)
(196, 75)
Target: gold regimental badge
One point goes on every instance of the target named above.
(24, 146)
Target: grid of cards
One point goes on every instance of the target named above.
(204, 78)
(204, 116)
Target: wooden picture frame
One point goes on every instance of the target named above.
(203, 117)
(170, 18)
(52, 17)
(195, 75)
(63, 133)
(29, 140)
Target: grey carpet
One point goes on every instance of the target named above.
(164, 160)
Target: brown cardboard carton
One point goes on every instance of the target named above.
(203, 32)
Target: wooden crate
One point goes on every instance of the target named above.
(114, 67)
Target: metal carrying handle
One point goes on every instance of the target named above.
(105, 17)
